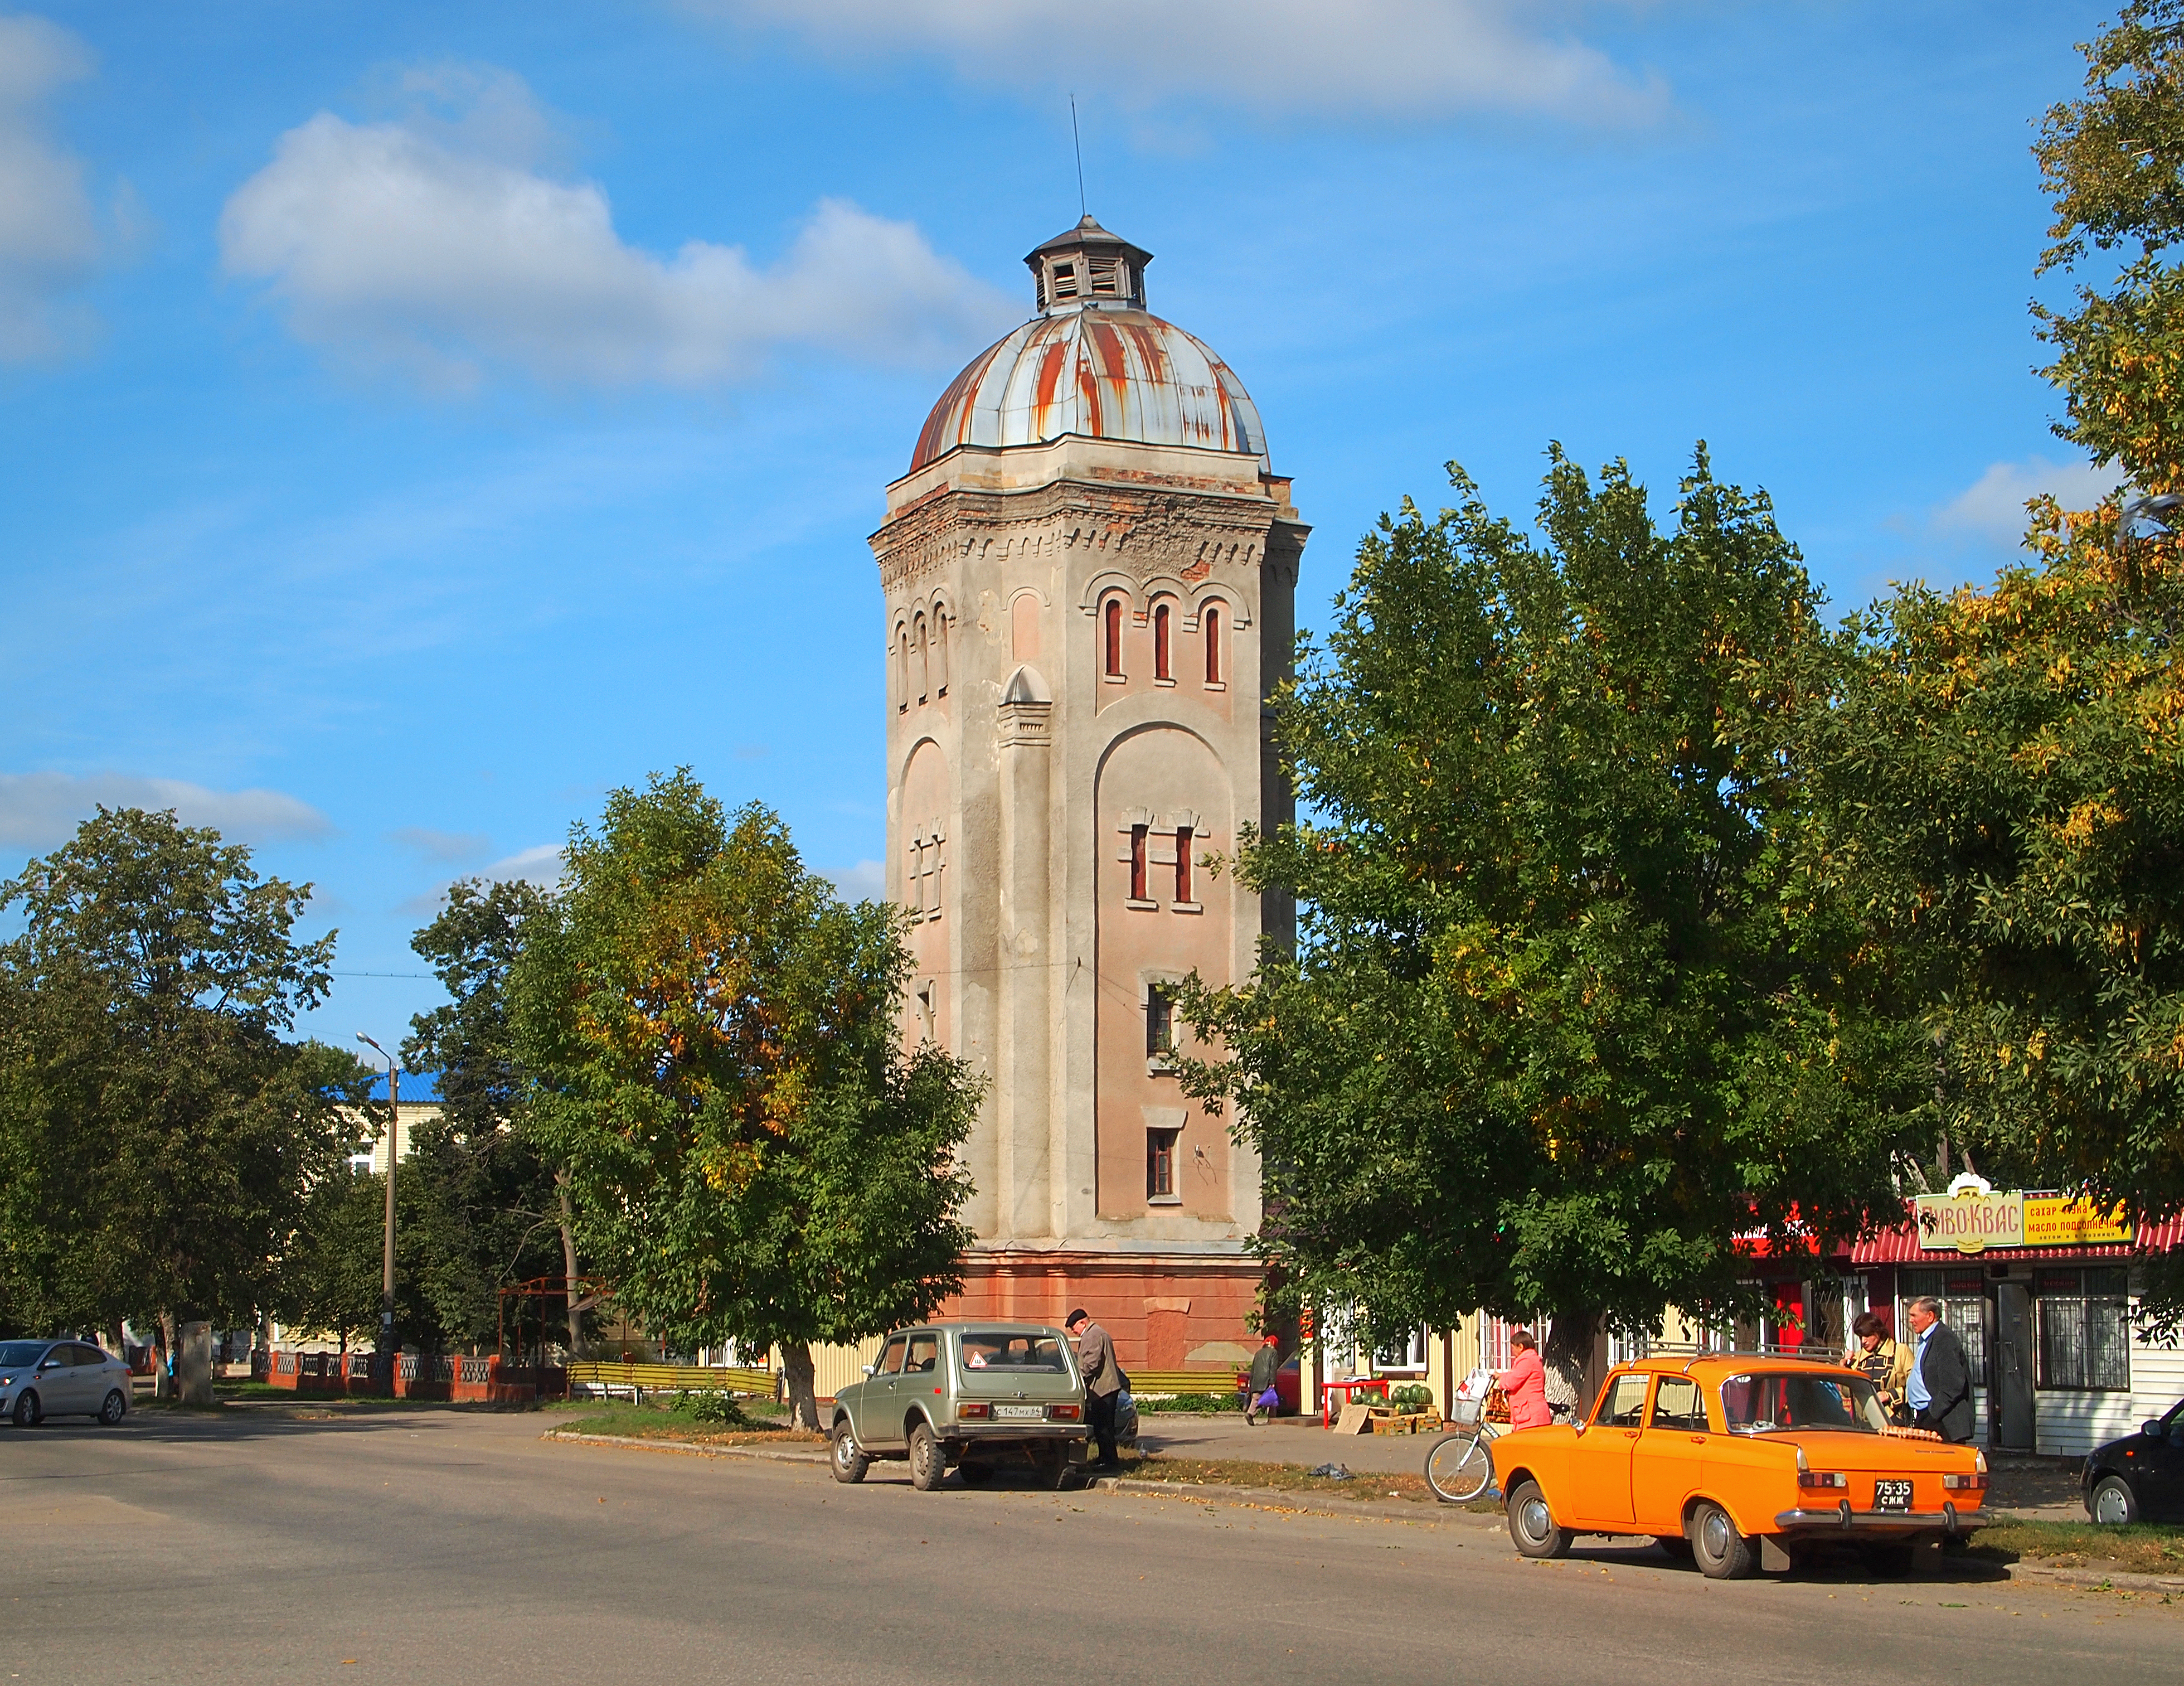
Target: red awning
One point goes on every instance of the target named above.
(1900, 1245)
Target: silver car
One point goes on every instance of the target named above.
(39, 1379)
(969, 1396)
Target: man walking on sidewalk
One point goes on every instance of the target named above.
(1103, 1382)
(1266, 1366)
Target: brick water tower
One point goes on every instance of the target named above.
(1090, 574)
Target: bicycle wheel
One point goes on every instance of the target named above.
(1458, 1466)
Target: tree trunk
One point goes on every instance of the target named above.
(194, 1367)
(1568, 1357)
(163, 1344)
(569, 1269)
(796, 1370)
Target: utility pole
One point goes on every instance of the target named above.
(387, 1256)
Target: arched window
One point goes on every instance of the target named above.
(901, 669)
(1161, 670)
(918, 655)
(1111, 621)
(1210, 621)
(939, 650)
(1184, 837)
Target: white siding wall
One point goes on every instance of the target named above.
(2070, 1425)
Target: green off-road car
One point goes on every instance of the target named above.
(969, 1395)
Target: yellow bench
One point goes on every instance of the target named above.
(1220, 1383)
(674, 1378)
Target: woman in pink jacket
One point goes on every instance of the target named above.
(1524, 1384)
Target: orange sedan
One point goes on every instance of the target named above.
(1741, 1462)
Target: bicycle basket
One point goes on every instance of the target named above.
(1465, 1413)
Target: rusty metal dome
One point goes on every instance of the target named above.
(1092, 362)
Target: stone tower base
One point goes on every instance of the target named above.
(1165, 1310)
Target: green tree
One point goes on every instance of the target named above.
(714, 1040)
(2007, 764)
(499, 1207)
(157, 1133)
(1568, 1011)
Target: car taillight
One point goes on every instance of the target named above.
(1822, 1478)
(1976, 1481)
(1064, 1413)
(974, 1408)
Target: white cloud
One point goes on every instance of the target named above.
(1387, 59)
(443, 846)
(43, 810)
(540, 864)
(866, 881)
(1993, 507)
(48, 237)
(435, 245)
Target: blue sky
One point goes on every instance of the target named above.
(420, 420)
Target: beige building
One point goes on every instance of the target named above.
(1089, 573)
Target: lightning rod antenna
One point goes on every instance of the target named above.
(1078, 140)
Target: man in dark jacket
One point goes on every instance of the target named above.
(1260, 1395)
(1103, 1382)
(1939, 1388)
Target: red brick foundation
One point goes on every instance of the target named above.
(1159, 1309)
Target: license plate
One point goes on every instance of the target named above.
(1892, 1495)
(1017, 1413)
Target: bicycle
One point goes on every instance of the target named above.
(1458, 1466)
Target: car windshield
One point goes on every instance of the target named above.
(1764, 1403)
(1013, 1349)
(17, 1353)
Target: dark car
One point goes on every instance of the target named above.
(2140, 1478)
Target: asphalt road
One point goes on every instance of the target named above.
(425, 1545)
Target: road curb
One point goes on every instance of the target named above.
(2093, 1580)
(1289, 1499)
(686, 1448)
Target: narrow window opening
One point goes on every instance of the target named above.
(902, 670)
(924, 661)
(1114, 624)
(1065, 281)
(1160, 1164)
(1161, 644)
(1160, 1022)
(939, 652)
(1210, 620)
(1183, 839)
(1137, 864)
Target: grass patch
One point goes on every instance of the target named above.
(1364, 1486)
(2142, 1548)
(254, 1390)
(1200, 1404)
(756, 1423)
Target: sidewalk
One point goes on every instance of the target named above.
(1286, 1440)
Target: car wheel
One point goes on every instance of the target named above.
(1675, 1545)
(2112, 1504)
(975, 1475)
(928, 1462)
(1893, 1562)
(1532, 1525)
(849, 1464)
(29, 1414)
(113, 1408)
(1052, 1466)
(1723, 1553)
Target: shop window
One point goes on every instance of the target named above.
(1160, 1022)
(1406, 1353)
(1139, 850)
(1160, 1164)
(1182, 841)
(1111, 621)
(1161, 619)
(2084, 1329)
(1963, 1295)
(1210, 621)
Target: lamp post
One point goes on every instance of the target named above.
(387, 1256)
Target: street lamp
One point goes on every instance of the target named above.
(387, 1256)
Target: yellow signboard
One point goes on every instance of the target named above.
(1970, 1220)
(1974, 1217)
(2058, 1220)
